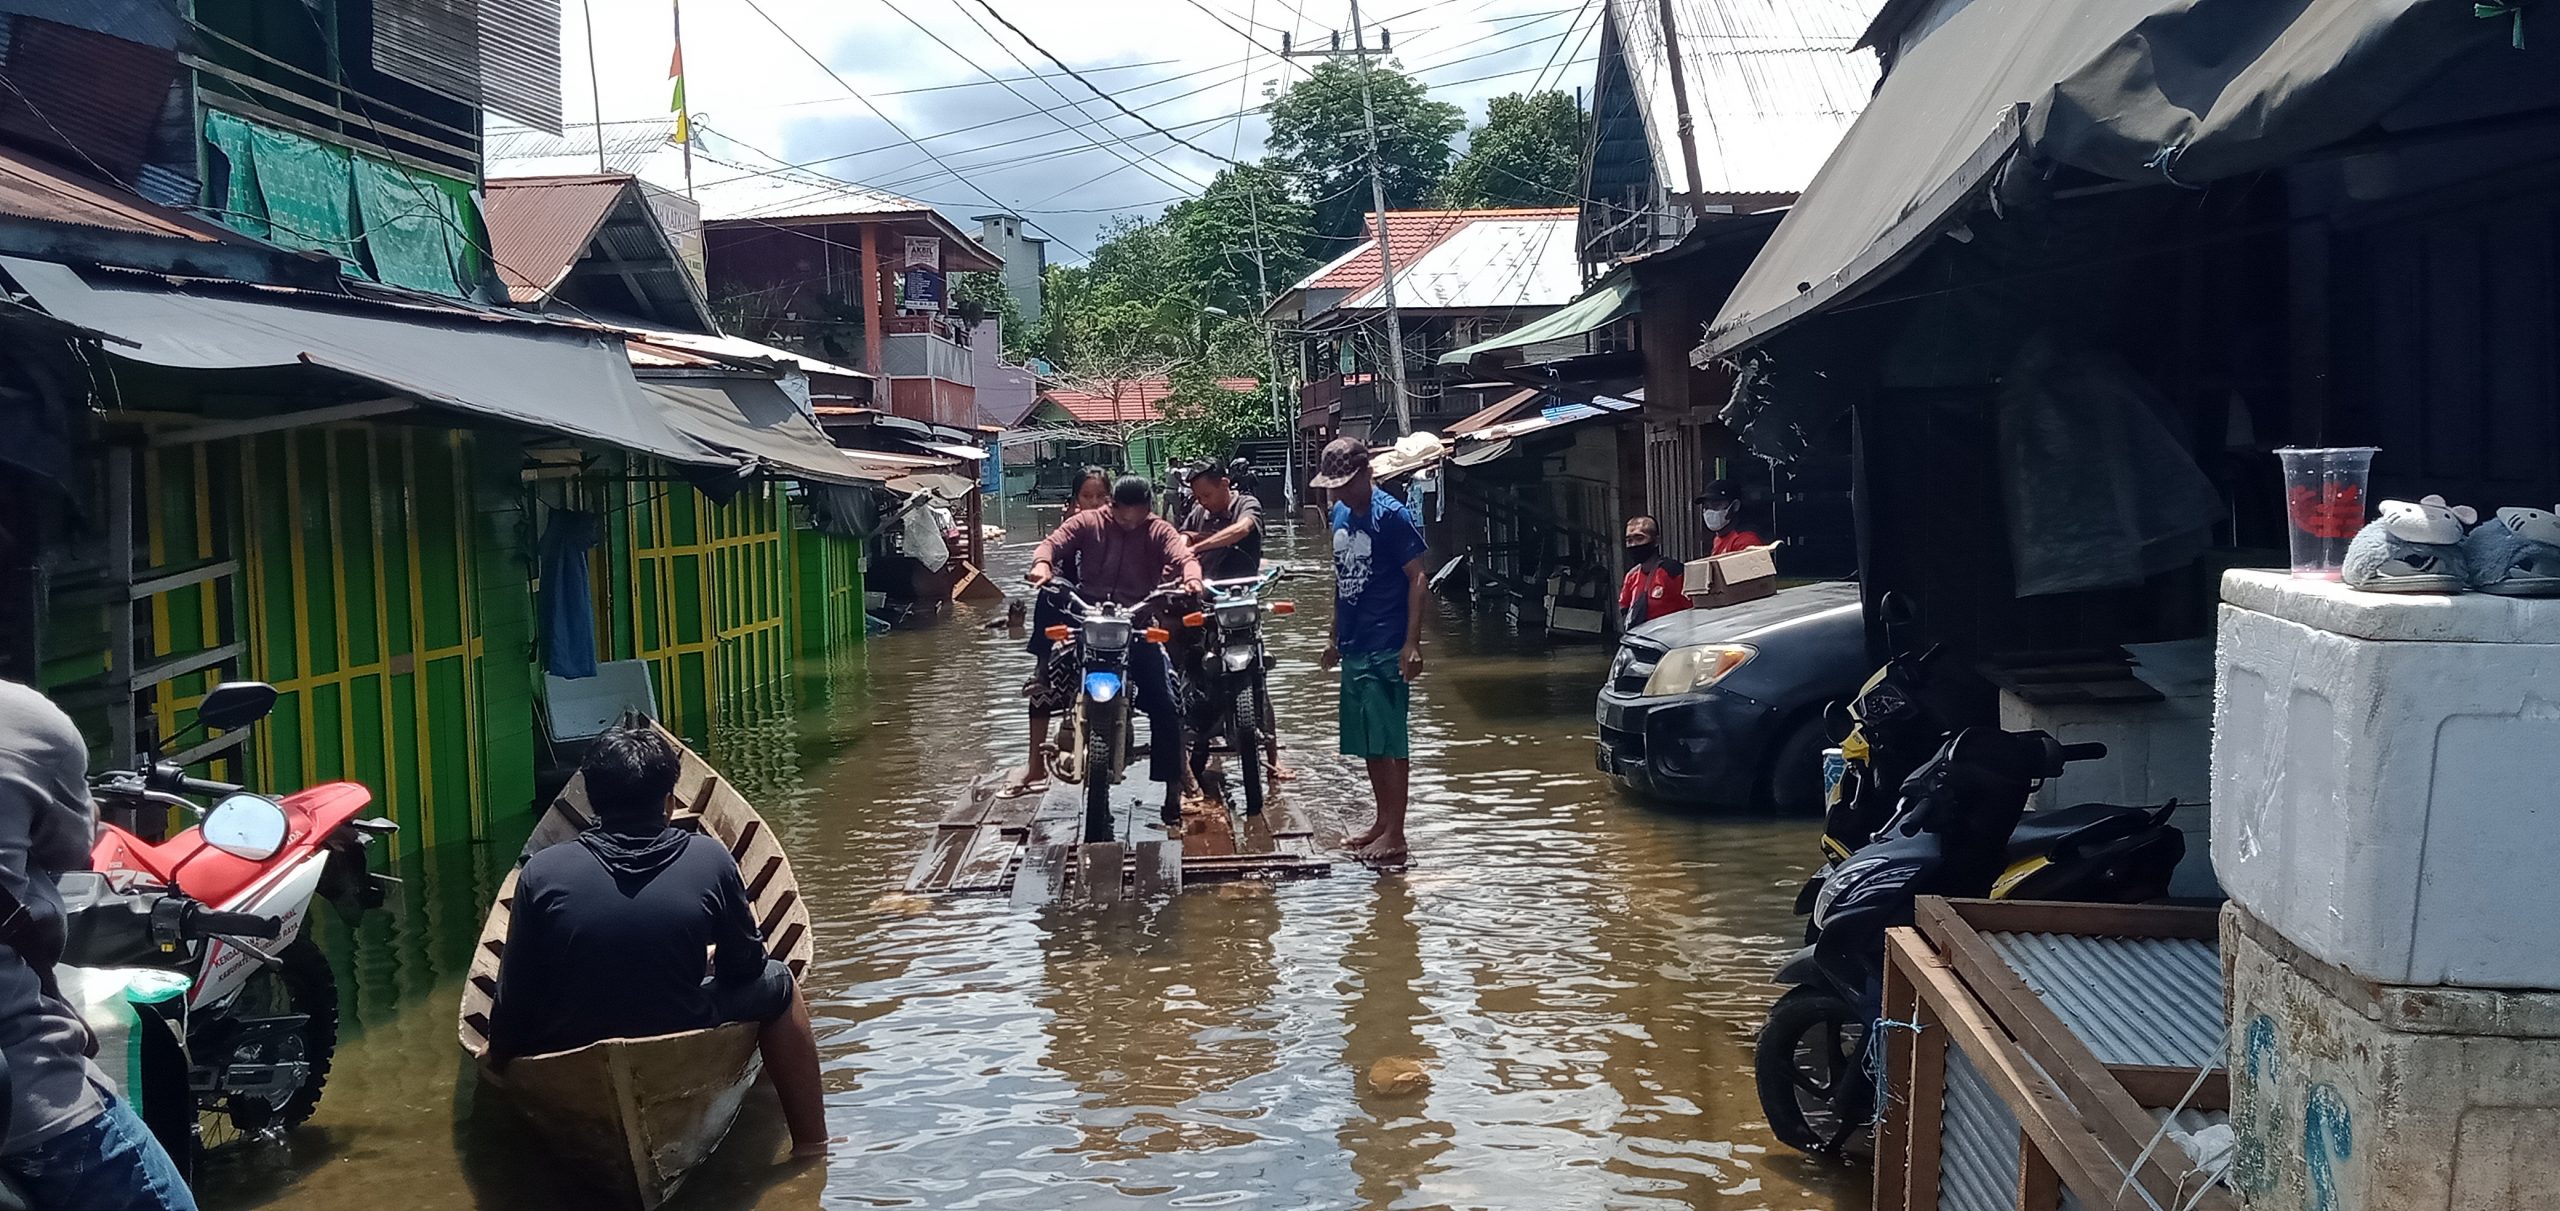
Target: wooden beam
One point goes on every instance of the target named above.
(220, 430)
(1893, 1130)
(1928, 1102)
(2039, 1187)
(2095, 920)
(2162, 1088)
(869, 296)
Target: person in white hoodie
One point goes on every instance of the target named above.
(70, 1141)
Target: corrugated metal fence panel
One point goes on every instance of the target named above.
(1978, 1146)
(2133, 1000)
(434, 44)
(520, 60)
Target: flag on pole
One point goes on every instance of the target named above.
(684, 119)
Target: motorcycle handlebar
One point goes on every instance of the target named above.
(209, 787)
(205, 923)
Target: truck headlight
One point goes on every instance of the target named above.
(1687, 670)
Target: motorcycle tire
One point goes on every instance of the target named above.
(1795, 1094)
(1244, 732)
(300, 983)
(1100, 740)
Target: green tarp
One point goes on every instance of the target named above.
(1609, 300)
(394, 224)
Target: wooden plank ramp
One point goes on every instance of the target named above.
(1031, 848)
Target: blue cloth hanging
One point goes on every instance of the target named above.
(568, 608)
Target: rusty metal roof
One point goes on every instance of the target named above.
(540, 226)
(31, 188)
(2132, 1000)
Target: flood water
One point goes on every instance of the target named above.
(1578, 978)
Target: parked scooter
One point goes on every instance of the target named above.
(260, 1015)
(1959, 829)
(1098, 752)
(1229, 682)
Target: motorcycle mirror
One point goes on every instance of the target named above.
(246, 826)
(1838, 722)
(236, 704)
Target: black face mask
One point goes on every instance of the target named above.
(1644, 551)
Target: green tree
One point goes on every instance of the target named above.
(1317, 138)
(1244, 210)
(975, 296)
(1527, 153)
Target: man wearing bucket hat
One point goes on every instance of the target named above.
(1376, 638)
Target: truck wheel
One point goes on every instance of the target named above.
(1793, 785)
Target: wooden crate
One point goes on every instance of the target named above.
(1993, 1101)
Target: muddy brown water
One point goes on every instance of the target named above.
(1574, 977)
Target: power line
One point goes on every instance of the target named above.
(901, 131)
(1081, 113)
(1001, 19)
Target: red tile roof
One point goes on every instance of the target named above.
(1127, 399)
(1410, 233)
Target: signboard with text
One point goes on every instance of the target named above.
(923, 252)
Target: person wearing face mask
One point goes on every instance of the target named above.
(1720, 509)
(1652, 588)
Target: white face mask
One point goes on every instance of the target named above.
(1715, 518)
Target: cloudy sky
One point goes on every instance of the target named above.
(1046, 148)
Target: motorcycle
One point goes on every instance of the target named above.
(1228, 683)
(1097, 753)
(1959, 829)
(259, 1017)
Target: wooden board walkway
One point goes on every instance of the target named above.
(1029, 847)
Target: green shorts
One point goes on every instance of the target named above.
(1374, 706)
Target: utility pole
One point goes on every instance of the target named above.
(1378, 203)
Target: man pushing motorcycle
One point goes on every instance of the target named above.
(1122, 554)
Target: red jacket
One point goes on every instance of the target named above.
(1737, 539)
(1645, 596)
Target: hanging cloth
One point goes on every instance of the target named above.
(568, 608)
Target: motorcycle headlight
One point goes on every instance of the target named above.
(1240, 615)
(1106, 634)
(1690, 669)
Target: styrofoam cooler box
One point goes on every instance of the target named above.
(2386, 778)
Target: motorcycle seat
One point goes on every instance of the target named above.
(2050, 831)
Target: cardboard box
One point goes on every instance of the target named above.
(1745, 575)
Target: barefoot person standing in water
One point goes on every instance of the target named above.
(1376, 636)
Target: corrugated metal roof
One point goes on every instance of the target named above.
(540, 226)
(2132, 1000)
(1128, 399)
(520, 60)
(32, 188)
(730, 182)
(741, 347)
(1410, 235)
(1772, 85)
(1978, 1143)
(1489, 263)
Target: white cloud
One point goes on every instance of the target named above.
(746, 82)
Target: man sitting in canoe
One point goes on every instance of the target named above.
(609, 935)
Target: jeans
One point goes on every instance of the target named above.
(1151, 683)
(110, 1163)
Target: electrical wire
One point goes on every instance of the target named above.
(901, 131)
(1098, 91)
(1080, 112)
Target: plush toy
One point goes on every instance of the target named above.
(2411, 548)
(2516, 553)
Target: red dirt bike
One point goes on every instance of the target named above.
(260, 1019)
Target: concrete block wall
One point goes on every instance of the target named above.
(2353, 1096)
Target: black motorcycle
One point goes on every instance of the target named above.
(1097, 754)
(1228, 685)
(1959, 829)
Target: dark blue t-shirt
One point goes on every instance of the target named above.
(1369, 589)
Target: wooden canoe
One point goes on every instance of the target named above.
(634, 1116)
